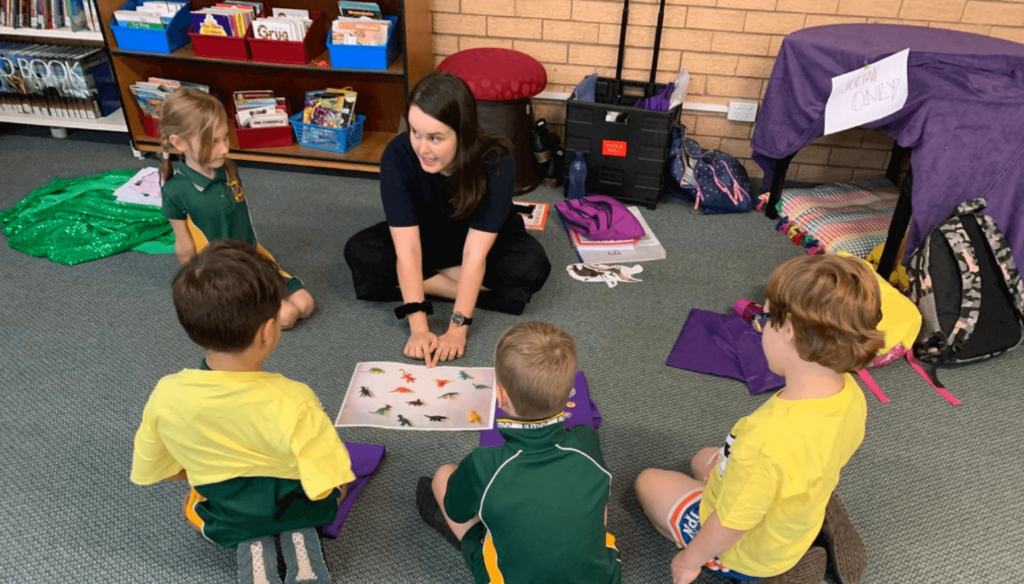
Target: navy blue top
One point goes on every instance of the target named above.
(412, 196)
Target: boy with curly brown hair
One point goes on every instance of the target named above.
(755, 507)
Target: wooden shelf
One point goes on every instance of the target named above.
(382, 98)
(365, 157)
(187, 53)
(113, 123)
(53, 33)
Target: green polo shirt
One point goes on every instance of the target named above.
(209, 203)
(541, 498)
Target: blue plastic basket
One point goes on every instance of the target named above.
(365, 57)
(166, 41)
(339, 140)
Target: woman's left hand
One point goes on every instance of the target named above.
(451, 345)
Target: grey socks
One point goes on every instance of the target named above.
(303, 558)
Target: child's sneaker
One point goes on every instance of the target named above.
(303, 558)
(809, 570)
(257, 562)
(847, 555)
(431, 513)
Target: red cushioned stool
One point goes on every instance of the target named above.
(503, 81)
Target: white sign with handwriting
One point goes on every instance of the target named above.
(867, 94)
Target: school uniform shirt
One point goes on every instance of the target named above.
(541, 498)
(257, 445)
(774, 476)
(412, 196)
(212, 209)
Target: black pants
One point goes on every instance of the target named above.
(517, 266)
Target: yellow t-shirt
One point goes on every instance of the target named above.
(220, 425)
(774, 476)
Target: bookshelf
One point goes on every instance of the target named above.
(382, 94)
(114, 122)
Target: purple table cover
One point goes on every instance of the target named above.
(582, 411)
(365, 460)
(963, 120)
(724, 345)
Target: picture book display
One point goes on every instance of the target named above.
(260, 109)
(150, 94)
(56, 81)
(330, 108)
(154, 15)
(226, 20)
(360, 23)
(286, 24)
(413, 397)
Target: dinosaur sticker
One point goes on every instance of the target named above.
(383, 411)
(401, 390)
(376, 370)
(365, 392)
(442, 382)
(407, 377)
(437, 418)
(473, 417)
(403, 421)
(449, 395)
(418, 402)
(464, 376)
(481, 386)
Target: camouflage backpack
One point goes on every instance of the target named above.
(966, 285)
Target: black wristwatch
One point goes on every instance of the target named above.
(459, 319)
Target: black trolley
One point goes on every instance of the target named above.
(626, 147)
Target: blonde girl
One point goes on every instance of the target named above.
(203, 198)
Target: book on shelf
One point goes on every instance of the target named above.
(330, 108)
(150, 94)
(260, 109)
(226, 22)
(359, 31)
(580, 240)
(369, 10)
(283, 28)
(56, 81)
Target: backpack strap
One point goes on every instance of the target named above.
(931, 380)
(1004, 257)
(932, 340)
(970, 282)
(870, 382)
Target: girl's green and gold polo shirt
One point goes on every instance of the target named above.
(211, 206)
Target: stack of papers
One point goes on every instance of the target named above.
(646, 248)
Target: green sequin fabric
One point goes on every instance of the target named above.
(77, 220)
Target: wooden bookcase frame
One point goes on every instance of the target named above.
(382, 94)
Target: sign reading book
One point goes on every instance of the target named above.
(867, 94)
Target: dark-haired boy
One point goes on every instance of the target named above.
(261, 456)
(535, 508)
(754, 508)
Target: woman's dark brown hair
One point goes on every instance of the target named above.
(447, 99)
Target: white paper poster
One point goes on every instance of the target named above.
(413, 397)
(867, 94)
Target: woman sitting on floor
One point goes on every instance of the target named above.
(450, 230)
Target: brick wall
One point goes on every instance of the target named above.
(728, 46)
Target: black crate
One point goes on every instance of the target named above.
(625, 159)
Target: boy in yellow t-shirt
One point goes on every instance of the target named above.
(758, 504)
(261, 456)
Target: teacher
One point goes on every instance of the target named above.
(450, 230)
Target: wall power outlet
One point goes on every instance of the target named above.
(742, 110)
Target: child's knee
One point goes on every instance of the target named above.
(288, 315)
(440, 481)
(303, 302)
(643, 483)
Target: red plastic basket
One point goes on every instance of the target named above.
(292, 52)
(253, 138)
(218, 47)
(150, 125)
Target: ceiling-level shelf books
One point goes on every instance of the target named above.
(382, 91)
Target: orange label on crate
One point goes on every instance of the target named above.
(613, 148)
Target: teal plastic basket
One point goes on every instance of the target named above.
(339, 140)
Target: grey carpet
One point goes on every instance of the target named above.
(935, 490)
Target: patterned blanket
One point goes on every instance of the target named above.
(851, 217)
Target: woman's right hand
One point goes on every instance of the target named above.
(421, 345)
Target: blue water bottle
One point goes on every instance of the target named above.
(578, 176)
